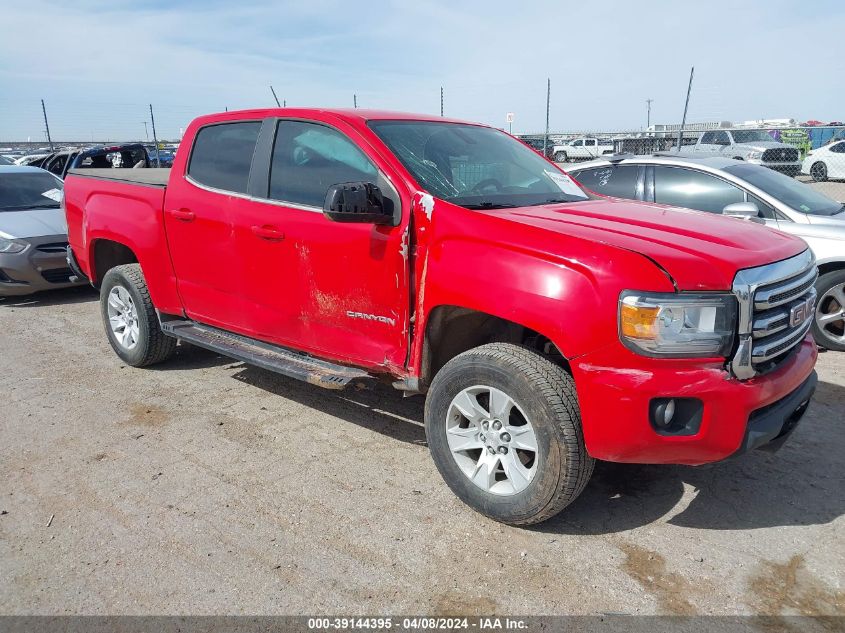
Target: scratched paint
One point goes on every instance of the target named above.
(427, 204)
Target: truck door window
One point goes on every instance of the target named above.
(619, 181)
(578, 143)
(222, 155)
(308, 158)
(590, 142)
(707, 138)
(694, 190)
(721, 138)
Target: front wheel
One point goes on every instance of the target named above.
(560, 157)
(829, 324)
(130, 319)
(504, 430)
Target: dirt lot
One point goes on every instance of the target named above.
(206, 486)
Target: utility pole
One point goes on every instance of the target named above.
(155, 138)
(284, 103)
(441, 100)
(548, 101)
(46, 125)
(278, 105)
(355, 101)
(146, 131)
(648, 116)
(686, 105)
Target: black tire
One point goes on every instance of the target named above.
(546, 393)
(829, 335)
(561, 157)
(152, 346)
(818, 171)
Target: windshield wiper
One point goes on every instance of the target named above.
(489, 205)
(24, 207)
(549, 201)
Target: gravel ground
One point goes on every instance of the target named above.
(206, 486)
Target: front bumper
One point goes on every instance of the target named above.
(40, 266)
(790, 169)
(615, 387)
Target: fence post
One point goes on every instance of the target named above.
(46, 125)
(548, 100)
(686, 105)
(155, 138)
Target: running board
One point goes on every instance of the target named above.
(271, 357)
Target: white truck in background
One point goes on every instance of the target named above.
(585, 148)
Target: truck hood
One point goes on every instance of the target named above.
(700, 251)
(32, 223)
(762, 146)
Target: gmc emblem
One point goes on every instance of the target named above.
(800, 313)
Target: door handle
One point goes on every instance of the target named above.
(269, 233)
(185, 215)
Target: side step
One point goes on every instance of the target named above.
(271, 357)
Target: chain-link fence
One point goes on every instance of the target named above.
(812, 154)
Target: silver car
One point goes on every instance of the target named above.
(33, 232)
(723, 185)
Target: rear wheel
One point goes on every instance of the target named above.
(504, 430)
(819, 172)
(829, 324)
(130, 319)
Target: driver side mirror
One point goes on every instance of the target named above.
(745, 211)
(360, 202)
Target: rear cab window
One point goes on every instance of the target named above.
(222, 155)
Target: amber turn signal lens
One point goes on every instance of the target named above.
(639, 322)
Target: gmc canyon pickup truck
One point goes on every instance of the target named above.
(546, 327)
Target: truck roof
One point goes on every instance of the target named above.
(347, 114)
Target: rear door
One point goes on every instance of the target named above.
(200, 230)
(339, 290)
(618, 181)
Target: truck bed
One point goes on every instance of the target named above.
(151, 176)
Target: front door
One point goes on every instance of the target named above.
(336, 289)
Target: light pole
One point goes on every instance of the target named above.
(146, 131)
(648, 116)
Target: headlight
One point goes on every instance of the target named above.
(753, 155)
(8, 246)
(677, 325)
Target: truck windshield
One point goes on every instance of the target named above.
(33, 190)
(751, 136)
(475, 167)
(789, 191)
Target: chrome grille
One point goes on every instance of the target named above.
(781, 155)
(769, 298)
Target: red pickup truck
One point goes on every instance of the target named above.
(547, 326)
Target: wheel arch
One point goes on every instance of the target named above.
(451, 330)
(105, 254)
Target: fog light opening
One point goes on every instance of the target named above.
(676, 416)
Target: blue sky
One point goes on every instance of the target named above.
(98, 64)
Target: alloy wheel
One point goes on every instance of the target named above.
(123, 317)
(492, 440)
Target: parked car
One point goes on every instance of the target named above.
(720, 185)
(827, 162)
(548, 327)
(753, 146)
(129, 155)
(581, 149)
(33, 233)
(28, 159)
